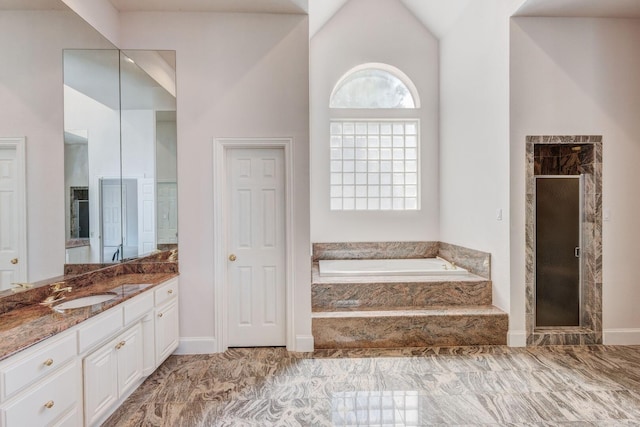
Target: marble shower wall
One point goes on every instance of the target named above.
(568, 155)
(476, 262)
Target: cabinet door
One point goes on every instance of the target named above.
(130, 354)
(166, 330)
(100, 382)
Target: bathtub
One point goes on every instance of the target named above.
(389, 267)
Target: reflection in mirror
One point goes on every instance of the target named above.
(92, 156)
(148, 120)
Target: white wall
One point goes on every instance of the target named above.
(32, 98)
(581, 77)
(373, 31)
(238, 75)
(474, 136)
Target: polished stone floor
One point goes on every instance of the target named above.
(543, 386)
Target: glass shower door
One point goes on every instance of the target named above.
(557, 245)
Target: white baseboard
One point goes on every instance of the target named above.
(517, 339)
(625, 336)
(197, 345)
(304, 343)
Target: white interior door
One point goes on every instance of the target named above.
(12, 214)
(146, 215)
(256, 247)
(167, 212)
(111, 201)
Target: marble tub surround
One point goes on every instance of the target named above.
(476, 262)
(24, 321)
(161, 258)
(495, 385)
(379, 292)
(558, 155)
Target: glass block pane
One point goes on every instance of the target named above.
(411, 191)
(411, 166)
(385, 141)
(385, 153)
(374, 141)
(398, 204)
(385, 178)
(348, 178)
(361, 153)
(385, 166)
(411, 203)
(374, 153)
(361, 178)
(373, 204)
(385, 191)
(348, 166)
(373, 179)
(361, 191)
(398, 166)
(348, 153)
(336, 128)
(349, 191)
(398, 128)
(398, 191)
(386, 128)
(336, 179)
(411, 179)
(336, 204)
(336, 191)
(374, 128)
(336, 141)
(361, 166)
(398, 154)
(361, 142)
(373, 191)
(411, 154)
(336, 153)
(411, 128)
(410, 141)
(385, 204)
(361, 204)
(361, 128)
(373, 166)
(398, 141)
(398, 179)
(336, 166)
(348, 128)
(348, 204)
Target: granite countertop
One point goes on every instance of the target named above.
(30, 324)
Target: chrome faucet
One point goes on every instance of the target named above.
(57, 293)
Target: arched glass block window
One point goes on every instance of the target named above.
(374, 86)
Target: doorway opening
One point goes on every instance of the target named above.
(564, 240)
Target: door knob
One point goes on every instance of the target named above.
(14, 261)
(232, 257)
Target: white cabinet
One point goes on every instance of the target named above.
(166, 320)
(111, 372)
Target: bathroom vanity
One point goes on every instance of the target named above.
(74, 367)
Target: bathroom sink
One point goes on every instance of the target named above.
(84, 301)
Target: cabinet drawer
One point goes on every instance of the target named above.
(138, 307)
(166, 292)
(100, 328)
(36, 364)
(50, 401)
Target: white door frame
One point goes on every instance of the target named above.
(19, 143)
(220, 238)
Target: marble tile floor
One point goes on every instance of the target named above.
(491, 386)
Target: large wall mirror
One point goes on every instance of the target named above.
(120, 154)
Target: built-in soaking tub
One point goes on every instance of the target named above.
(389, 267)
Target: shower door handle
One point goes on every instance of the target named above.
(576, 251)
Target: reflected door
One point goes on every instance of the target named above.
(256, 243)
(167, 212)
(557, 272)
(12, 218)
(111, 193)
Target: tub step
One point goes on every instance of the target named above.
(438, 326)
